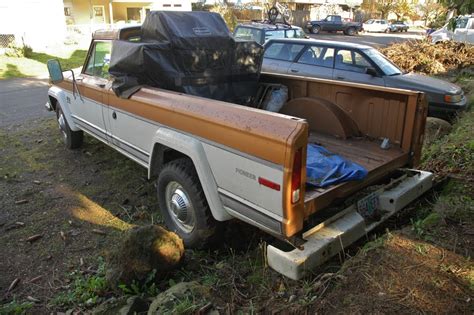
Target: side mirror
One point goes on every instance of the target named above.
(371, 71)
(55, 71)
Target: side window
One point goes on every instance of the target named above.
(351, 61)
(246, 33)
(282, 51)
(274, 34)
(99, 61)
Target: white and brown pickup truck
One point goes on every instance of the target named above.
(215, 161)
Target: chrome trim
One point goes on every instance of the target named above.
(250, 214)
(247, 203)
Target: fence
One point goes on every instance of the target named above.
(6, 40)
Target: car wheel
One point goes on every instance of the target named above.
(72, 139)
(316, 29)
(351, 31)
(386, 30)
(183, 204)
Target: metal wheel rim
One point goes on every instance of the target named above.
(179, 206)
(62, 126)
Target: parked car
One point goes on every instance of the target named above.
(358, 63)
(377, 26)
(261, 31)
(334, 23)
(399, 26)
(464, 31)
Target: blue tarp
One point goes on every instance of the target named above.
(324, 168)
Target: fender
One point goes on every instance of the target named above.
(60, 96)
(192, 148)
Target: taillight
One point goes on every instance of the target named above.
(296, 176)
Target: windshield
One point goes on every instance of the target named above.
(382, 62)
(247, 33)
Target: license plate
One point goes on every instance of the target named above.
(368, 205)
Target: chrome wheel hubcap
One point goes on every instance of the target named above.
(62, 126)
(180, 207)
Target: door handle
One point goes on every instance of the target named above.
(340, 78)
(294, 70)
(114, 115)
(101, 85)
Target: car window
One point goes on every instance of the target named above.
(283, 51)
(295, 33)
(99, 60)
(247, 33)
(387, 67)
(369, 22)
(351, 61)
(317, 56)
(274, 34)
(461, 23)
(383, 22)
(472, 24)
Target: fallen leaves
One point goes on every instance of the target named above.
(423, 56)
(34, 238)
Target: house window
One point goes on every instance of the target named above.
(67, 11)
(98, 11)
(177, 5)
(166, 5)
(133, 14)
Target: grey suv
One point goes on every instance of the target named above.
(358, 63)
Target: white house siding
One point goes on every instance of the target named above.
(37, 23)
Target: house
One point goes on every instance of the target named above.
(46, 24)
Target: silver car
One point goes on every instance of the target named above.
(358, 63)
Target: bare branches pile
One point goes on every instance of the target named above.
(422, 56)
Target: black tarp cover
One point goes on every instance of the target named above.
(190, 52)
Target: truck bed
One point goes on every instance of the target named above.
(363, 151)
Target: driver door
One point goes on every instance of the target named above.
(351, 66)
(89, 109)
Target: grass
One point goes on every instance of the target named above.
(34, 64)
(85, 290)
(15, 307)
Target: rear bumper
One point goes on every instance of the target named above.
(333, 235)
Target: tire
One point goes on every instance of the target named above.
(183, 204)
(72, 139)
(351, 31)
(386, 30)
(316, 29)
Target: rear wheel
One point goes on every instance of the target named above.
(183, 204)
(316, 29)
(72, 139)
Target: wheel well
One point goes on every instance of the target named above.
(160, 156)
(53, 101)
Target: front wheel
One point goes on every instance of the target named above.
(183, 204)
(72, 139)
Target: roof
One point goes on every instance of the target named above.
(268, 26)
(318, 41)
(120, 33)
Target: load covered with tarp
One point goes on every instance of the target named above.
(324, 168)
(189, 52)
